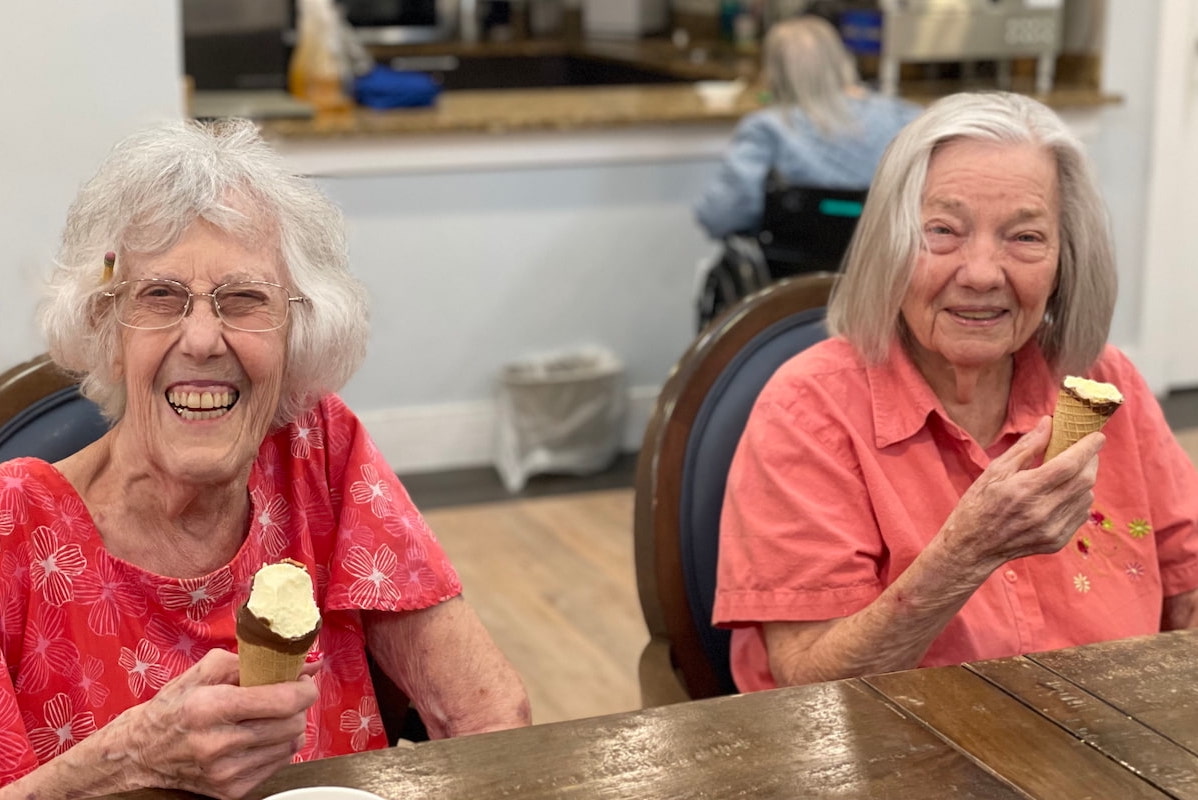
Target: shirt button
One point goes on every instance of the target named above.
(1010, 576)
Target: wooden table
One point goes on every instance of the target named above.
(1111, 721)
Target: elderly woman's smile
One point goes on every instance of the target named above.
(202, 403)
(977, 314)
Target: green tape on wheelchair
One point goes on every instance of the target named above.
(839, 208)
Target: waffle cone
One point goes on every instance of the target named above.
(261, 665)
(1073, 419)
(266, 657)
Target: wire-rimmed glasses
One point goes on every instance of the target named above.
(151, 304)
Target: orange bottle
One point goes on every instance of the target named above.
(316, 71)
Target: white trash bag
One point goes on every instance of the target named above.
(560, 412)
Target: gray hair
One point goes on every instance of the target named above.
(865, 307)
(807, 66)
(149, 190)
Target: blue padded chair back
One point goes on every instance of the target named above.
(52, 427)
(713, 439)
(688, 446)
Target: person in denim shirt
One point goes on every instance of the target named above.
(825, 129)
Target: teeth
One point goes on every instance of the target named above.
(187, 414)
(201, 405)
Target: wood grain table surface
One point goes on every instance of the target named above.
(1117, 720)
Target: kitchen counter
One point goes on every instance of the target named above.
(498, 111)
(508, 110)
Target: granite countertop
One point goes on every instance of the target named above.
(497, 111)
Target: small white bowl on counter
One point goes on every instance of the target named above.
(719, 95)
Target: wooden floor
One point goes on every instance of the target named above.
(553, 580)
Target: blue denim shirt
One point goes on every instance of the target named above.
(786, 140)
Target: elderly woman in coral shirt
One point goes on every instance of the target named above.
(213, 337)
(888, 506)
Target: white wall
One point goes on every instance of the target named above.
(1168, 326)
(472, 269)
(76, 77)
(1121, 151)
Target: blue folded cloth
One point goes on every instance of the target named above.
(384, 87)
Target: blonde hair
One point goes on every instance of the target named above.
(808, 67)
(865, 306)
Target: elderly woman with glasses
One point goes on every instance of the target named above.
(203, 295)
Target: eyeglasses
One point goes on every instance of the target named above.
(155, 303)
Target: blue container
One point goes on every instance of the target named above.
(861, 31)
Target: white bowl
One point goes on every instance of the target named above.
(325, 793)
(719, 95)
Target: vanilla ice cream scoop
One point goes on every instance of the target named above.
(1083, 406)
(281, 598)
(277, 625)
(1093, 391)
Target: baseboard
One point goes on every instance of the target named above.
(460, 435)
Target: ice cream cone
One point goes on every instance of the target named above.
(265, 656)
(1078, 413)
(277, 625)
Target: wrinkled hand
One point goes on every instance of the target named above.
(204, 733)
(1012, 511)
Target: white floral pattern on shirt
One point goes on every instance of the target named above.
(320, 493)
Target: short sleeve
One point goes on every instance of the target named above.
(384, 557)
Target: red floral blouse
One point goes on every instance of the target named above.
(85, 635)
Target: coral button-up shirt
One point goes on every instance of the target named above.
(846, 471)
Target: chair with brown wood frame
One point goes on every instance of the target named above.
(42, 414)
(682, 470)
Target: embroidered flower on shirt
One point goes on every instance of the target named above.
(1101, 520)
(1139, 528)
(1083, 545)
(1081, 583)
(1135, 570)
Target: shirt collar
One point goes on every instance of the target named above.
(903, 401)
